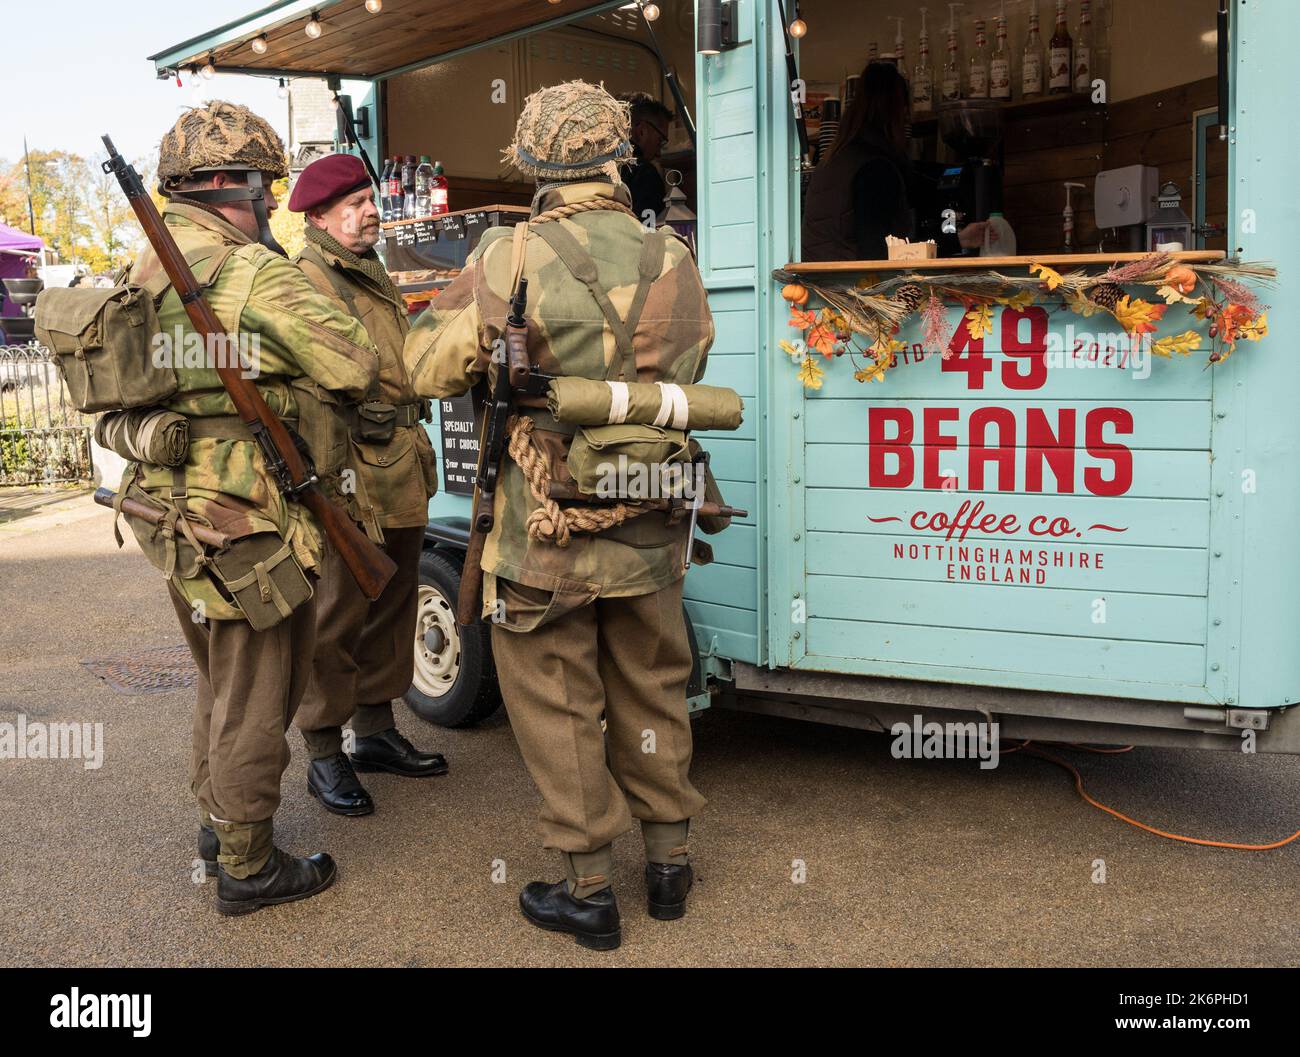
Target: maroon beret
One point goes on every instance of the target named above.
(326, 179)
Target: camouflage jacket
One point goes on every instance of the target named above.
(394, 480)
(298, 335)
(451, 346)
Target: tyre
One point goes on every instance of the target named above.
(454, 683)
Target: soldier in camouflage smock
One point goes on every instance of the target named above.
(301, 347)
(595, 626)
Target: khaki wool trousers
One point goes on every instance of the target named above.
(628, 658)
(365, 651)
(248, 688)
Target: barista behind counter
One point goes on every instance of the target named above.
(865, 188)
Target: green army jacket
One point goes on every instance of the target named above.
(394, 480)
(451, 346)
(292, 333)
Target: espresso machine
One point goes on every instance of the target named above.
(22, 292)
(969, 187)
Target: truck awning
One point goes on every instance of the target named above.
(355, 43)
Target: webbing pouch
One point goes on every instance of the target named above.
(265, 579)
(373, 421)
(626, 461)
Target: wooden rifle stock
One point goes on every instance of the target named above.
(293, 473)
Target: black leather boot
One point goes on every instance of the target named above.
(334, 783)
(666, 886)
(209, 849)
(593, 921)
(283, 879)
(389, 751)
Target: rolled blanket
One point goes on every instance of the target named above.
(145, 434)
(585, 402)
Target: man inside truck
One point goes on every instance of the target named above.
(650, 127)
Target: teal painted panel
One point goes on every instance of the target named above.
(1161, 424)
(895, 649)
(734, 328)
(733, 460)
(737, 545)
(732, 159)
(1148, 570)
(1144, 522)
(1156, 474)
(735, 372)
(1006, 608)
(729, 584)
(731, 202)
(731, 245)
(731, 114)
(729, 72)
(742, 494)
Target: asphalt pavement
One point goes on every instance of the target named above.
(817, 847)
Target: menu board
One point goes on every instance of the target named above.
(459, 443)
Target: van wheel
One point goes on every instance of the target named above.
(454, 683)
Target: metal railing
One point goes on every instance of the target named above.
(44, 439)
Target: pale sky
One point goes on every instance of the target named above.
(73, 69)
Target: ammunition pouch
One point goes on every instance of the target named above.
(375, 422)
(265, 579)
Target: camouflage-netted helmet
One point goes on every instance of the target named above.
(219, 136)
(570, 130)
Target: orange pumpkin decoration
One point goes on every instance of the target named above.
(795, 294)
(1181, 278)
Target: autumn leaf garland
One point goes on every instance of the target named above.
(878, 309)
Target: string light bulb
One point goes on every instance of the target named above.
(313, 27)
(798, 29)
(258, 44)
(208, 70)
(283, 90)
(651, 12)
(374, 6)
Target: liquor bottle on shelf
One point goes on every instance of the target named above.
(977, 80)
(1083, 49)
(900, 49)
(950, 87)
(395, 189)
(923, 75)
(873, 51)
(438, 190)
(1060, 55)
(1031, 65)
(1000, 63)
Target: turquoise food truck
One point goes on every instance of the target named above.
(1049, 483)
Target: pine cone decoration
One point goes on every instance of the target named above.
(1105, 294)
(909, 296)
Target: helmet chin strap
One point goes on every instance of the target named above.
(252, 192)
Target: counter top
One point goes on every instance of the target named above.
(948, 264)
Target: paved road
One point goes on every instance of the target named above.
(907, 863)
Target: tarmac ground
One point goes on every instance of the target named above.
(817, 847)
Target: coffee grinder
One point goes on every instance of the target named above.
(968, 188)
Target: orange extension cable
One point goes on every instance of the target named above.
(1033, 750)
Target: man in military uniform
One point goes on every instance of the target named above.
(594, 626)
(215, 168)
(365, 651)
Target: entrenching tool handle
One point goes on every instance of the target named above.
(291, 469)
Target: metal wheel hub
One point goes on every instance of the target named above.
(437, 644)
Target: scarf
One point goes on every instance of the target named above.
(370, 265)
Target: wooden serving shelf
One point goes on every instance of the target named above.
(948, 264)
